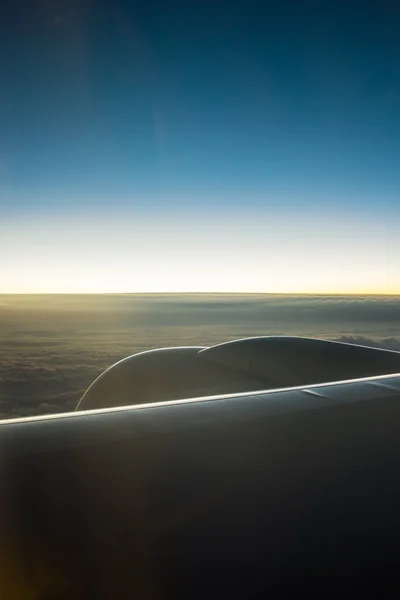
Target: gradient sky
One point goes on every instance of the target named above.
(200, 146)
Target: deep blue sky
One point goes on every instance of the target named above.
(171, 106)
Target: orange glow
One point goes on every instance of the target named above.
(189, 253)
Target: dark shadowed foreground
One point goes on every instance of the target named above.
(274, 495)
(53, 347)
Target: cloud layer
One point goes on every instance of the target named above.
(53, 347)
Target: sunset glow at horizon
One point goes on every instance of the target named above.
(189, 252)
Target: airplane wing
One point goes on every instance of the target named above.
(246, 494)
(245, 365)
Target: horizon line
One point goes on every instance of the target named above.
(208, 293)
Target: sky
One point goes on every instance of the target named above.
(203, 146)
